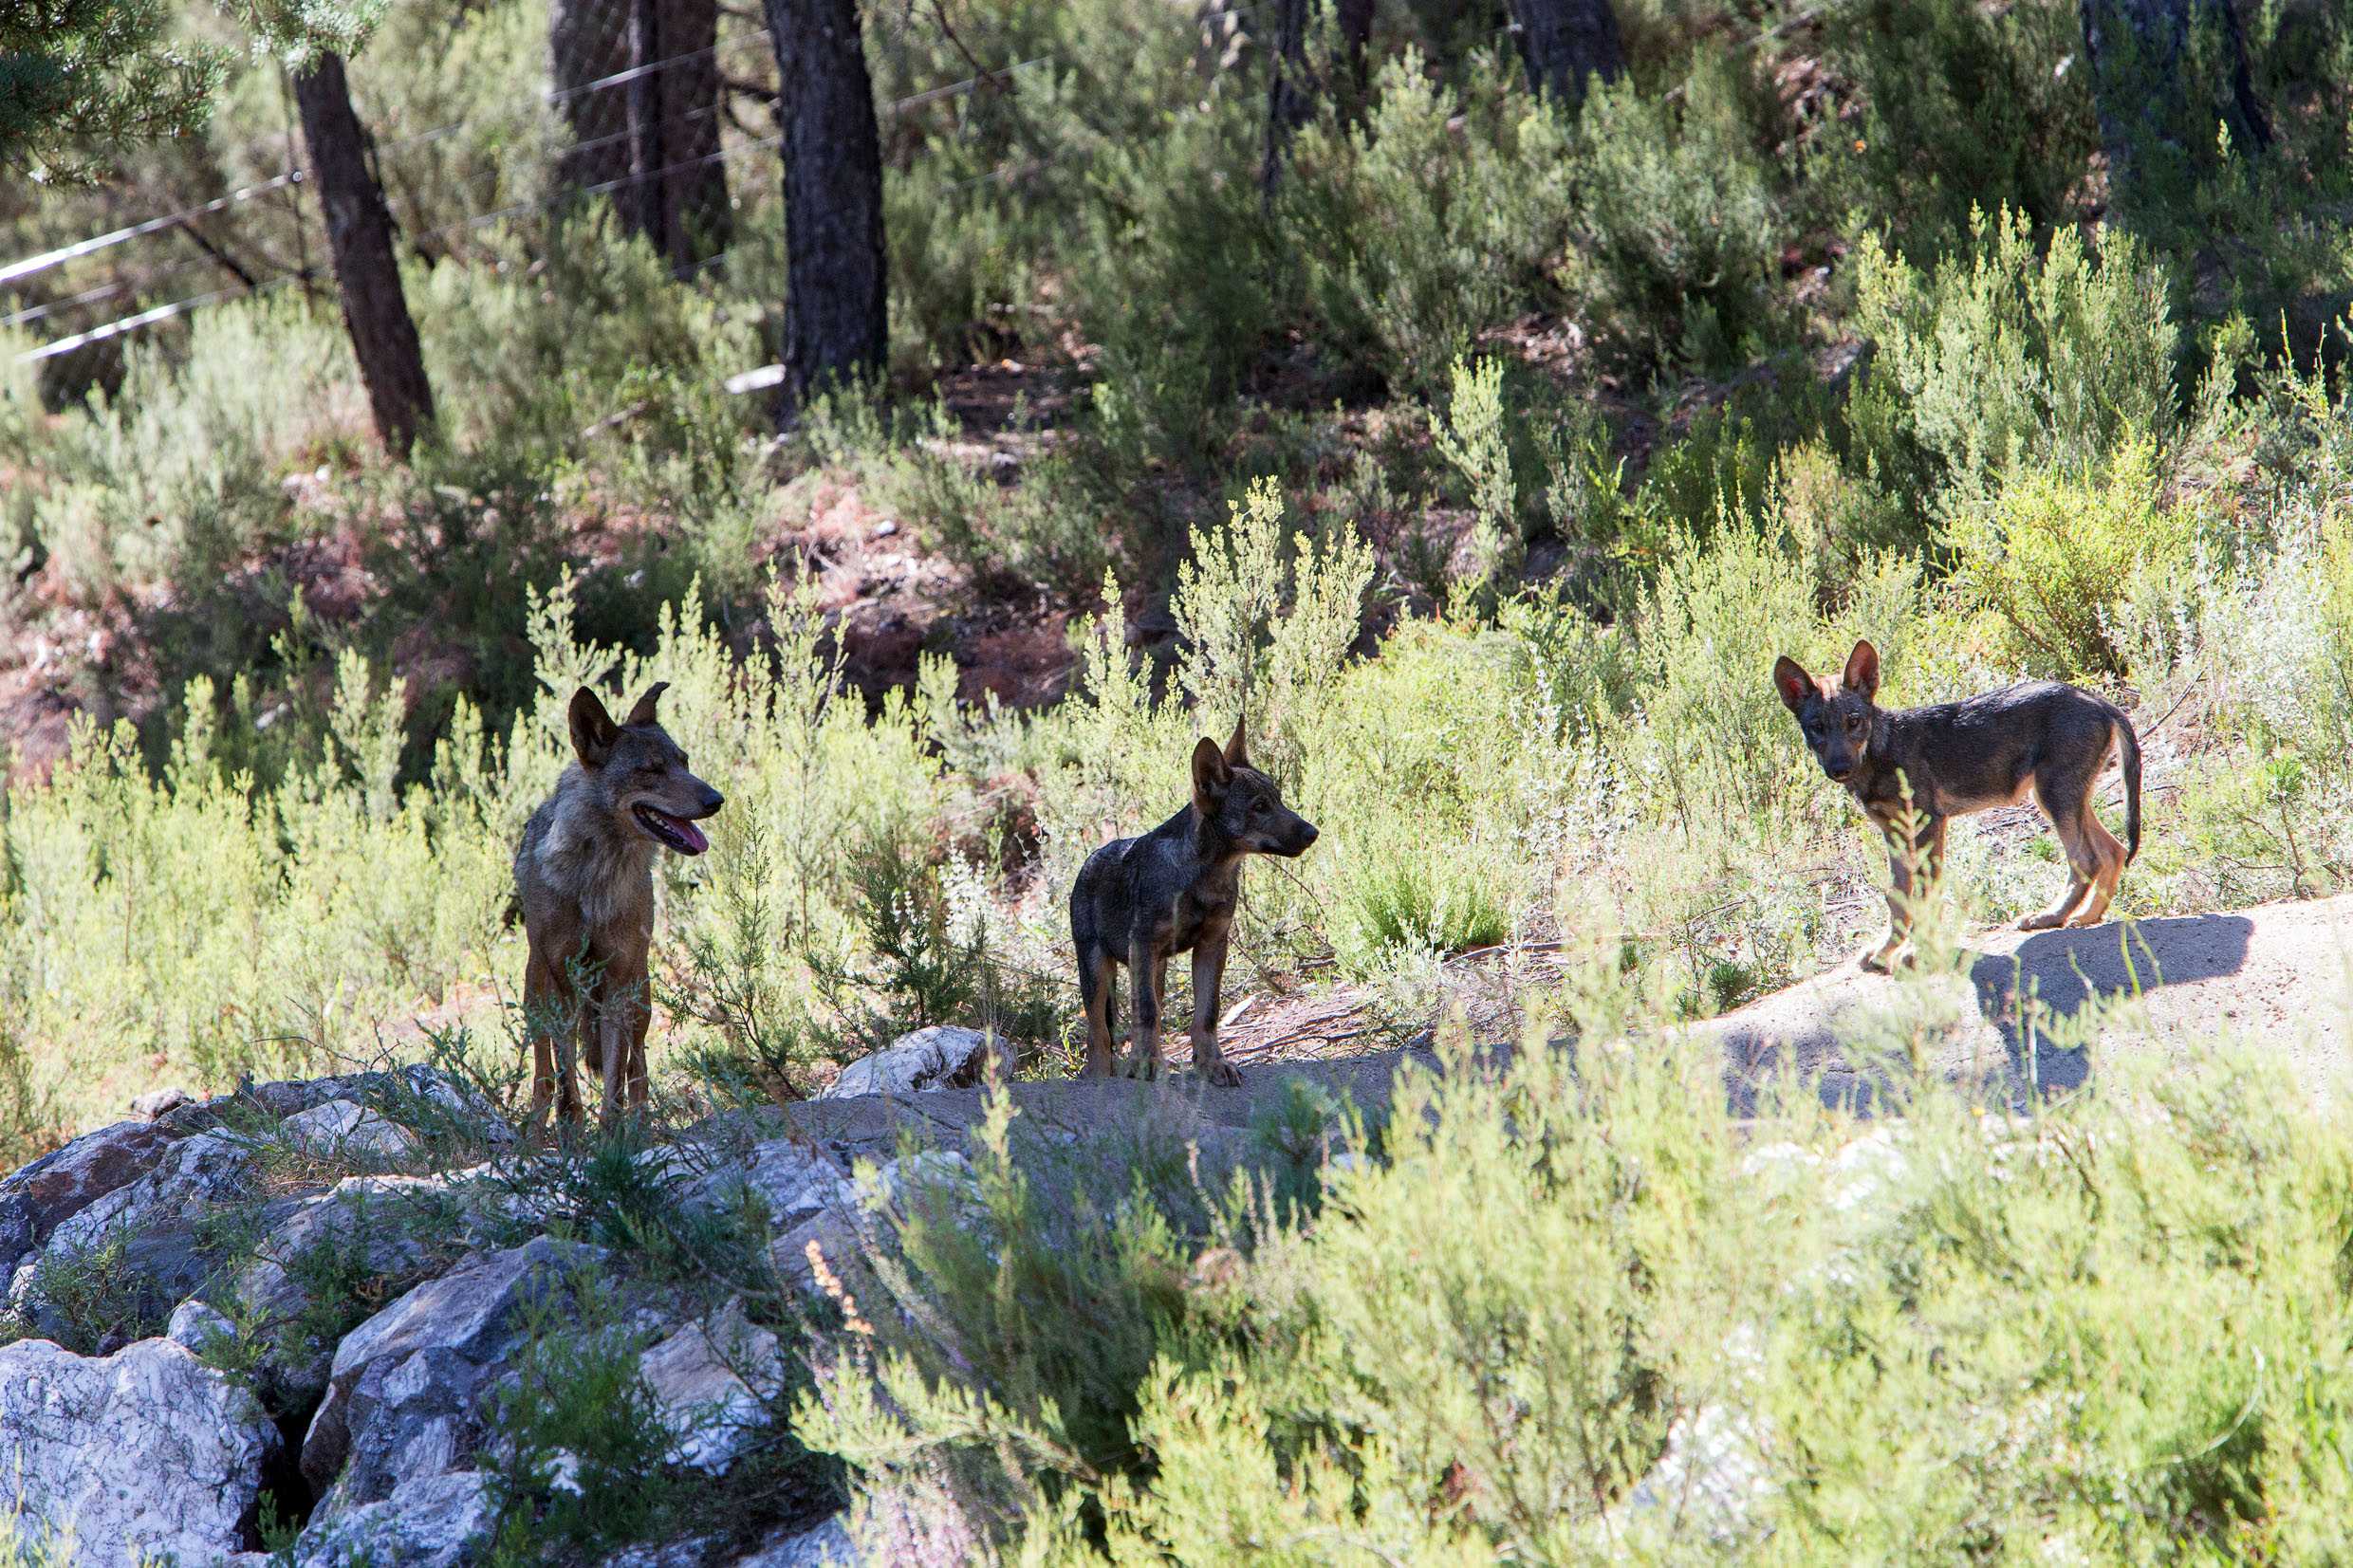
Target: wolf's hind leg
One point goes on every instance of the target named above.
(1097, 973)
(2066, 799)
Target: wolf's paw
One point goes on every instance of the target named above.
(1881, 960)
(1218, 1070)
(2044, 921)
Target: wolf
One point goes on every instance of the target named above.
(584, 876)
(1959, 757)
(1173, 890)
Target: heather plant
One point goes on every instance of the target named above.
(1474, 439)
(1432, 219)
(2005, 359)
(1964, 110)
(2055, 561)
(1677, 227)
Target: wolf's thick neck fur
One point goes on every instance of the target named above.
(583, 862)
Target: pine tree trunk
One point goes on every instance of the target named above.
(359, 230)
(640, 202)
(2165, 72)
(695, 220)
(1566, 40)
(649, 142)
(836, 304)
(1356, 32)
(588, 40)
(1289, 100)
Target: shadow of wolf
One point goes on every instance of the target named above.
(584, 875)
(1974, 755)
(1138, 901)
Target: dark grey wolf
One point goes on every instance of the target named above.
(1960, 757)
(585, 876)
(1138, 900)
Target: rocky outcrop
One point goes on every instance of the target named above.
(404, 1391)
(437, 1521)
(2013, 1008)
(941, 1056)
(710, 1384)
(346, 1127)
(144, 1455)
(53, 1189)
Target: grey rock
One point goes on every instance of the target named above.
(60, 1185)
(433, 1521)
(346, 1128)
(406, 1418)
(196, 1176)
(941, 1057)
(467, 1322)
(835, 1236)
(369, 1214)
(690, 1553)
(144, 1455)
(195, 1326)
(792, 1179)
(710, 1382)
(827, 1546)
(155, 1103)
(411, 1095)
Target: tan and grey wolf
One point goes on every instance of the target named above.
(1960, 757)
(585, 874)
(1173, 890)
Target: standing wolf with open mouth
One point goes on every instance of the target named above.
(585, 873)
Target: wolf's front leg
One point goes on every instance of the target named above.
(1208, 973)
(1924, 850)
(1147, 976)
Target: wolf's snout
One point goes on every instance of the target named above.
(1307, 834)
(712, 800)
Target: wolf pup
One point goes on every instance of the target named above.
(585, 873)
(1138, 900)
(1960, 757)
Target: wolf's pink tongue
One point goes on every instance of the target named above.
(692, 834)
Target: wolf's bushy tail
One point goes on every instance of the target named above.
(2128, 762)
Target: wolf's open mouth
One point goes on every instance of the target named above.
(676, 832)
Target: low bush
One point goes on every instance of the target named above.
(1964, 110)
(2005, 359)
(1677, 233)
(1430, 220)
(2056, 559)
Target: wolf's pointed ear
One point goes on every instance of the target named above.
(593, 730)
(1792, 682)
(643, 711)
(1862, 670)
(1237, 749)
(1209, 777)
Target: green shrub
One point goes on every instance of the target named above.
(2005, 360)
(177, 476)
(2054, 558)
(1014, 1324)
(1430, 220)
(1676, 231)
(1475, 437)
(579, 1446)
(1965, 110)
